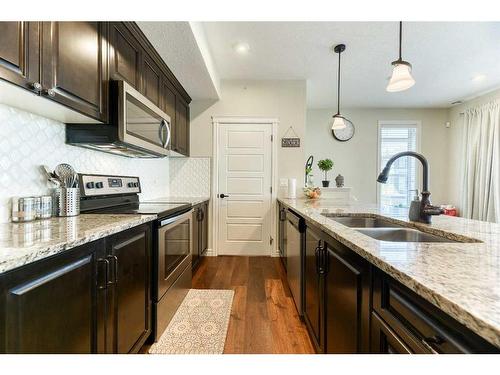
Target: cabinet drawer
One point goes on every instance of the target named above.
(422, 326)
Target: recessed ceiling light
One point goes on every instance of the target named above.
(478, 78)
(241, 48)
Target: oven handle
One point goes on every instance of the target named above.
(171, 220)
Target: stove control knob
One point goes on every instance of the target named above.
(130, 185)
(99, 185)
(136, 184)
(89, 185)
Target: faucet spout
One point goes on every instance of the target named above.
(426, 209)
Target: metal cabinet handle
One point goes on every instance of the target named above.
(114, 259)
(428, 343)
(36, 86)
(317, 255)
(106, 274)
(49, 92)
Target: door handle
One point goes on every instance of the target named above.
(223, 196)
(160, 133)
(317, 254)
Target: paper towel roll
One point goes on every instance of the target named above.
(292, 188)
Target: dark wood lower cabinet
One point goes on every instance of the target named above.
(347, 300)
(129, 253)
(91, 299)
(384, 340)
(351, 306)
(200, 232)
(50, 306)
(313, 289)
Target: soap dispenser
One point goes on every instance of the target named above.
(414, 214)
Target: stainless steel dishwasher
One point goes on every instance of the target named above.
(295, 226)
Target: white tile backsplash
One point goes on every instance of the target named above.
(28, 140)
(190, 177)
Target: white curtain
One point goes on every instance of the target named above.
(481, 179)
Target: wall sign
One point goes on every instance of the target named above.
(290, 141)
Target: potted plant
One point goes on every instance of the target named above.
(325, 165)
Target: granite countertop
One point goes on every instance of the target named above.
(25, 243)
(179, 199)
(462, 279)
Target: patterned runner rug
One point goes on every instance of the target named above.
(200, 324)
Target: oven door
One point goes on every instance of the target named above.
(174, 249)
(140, 122)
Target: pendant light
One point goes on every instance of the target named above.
(338, 119)
(401, 74)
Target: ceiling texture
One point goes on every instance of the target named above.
(451, 60)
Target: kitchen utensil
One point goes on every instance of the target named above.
(24, 209)
(67, 201)
(66, 174)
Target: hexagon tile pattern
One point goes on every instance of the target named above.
(28, 141)
(190, 177)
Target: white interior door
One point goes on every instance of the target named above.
(245, 167)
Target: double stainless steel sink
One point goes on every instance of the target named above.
(384, 230)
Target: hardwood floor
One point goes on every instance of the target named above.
(263, 318)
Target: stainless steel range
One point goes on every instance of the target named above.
(172, 235)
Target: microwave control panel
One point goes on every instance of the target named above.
(95, 185)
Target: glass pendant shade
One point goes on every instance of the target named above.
(401, 77)
(338, 122)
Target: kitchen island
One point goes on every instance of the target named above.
(460, 278)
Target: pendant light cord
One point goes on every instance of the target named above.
(400, 38)
(338, 89)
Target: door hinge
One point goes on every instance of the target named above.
(271, 189)
(271, 137)
(271, 240)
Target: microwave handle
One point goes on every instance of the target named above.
(160, 133)
(169, 132)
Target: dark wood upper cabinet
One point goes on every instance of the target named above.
(152, 80)
(181, 141)
(125, 55)
(50, 306)
(20, 54)
(74, 66)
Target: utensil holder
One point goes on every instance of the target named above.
(67, 201)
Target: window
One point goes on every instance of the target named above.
(394, 137)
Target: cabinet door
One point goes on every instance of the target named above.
(152, 78)
(313, 290)
(74, 66)
(196, 249)
(50, 306)
(130, 254)
(347, 299)
(181, 126)
(204, 228)
(20, 54)
(125, 55)
(281, 231)
(384, 340)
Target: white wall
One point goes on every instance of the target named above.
(356, 159)
(28, 140)
(456, 144)
(285, 100)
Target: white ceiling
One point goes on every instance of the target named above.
(445, 57)
(180, 47)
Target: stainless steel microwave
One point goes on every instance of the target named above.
(137, 127)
